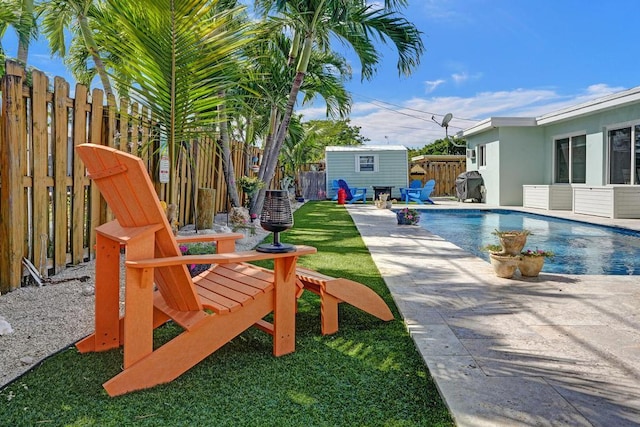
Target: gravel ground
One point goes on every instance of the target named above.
(36, 322)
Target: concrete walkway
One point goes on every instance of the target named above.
(547, 351)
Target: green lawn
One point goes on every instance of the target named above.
(368, 374)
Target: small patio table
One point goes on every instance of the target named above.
(381, 189)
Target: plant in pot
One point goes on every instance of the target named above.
(531, 262)
(408, 216)
(504, 264)
(250, 185)
(512, 241)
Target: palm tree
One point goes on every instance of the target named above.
(27, 30)
(327, 72)
(300, 147)
(180, 56)
(8, 16)
(354, 22)
(19, 15)
(80, 17)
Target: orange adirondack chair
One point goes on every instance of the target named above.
(212, 308)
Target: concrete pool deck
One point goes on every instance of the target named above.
(552, 350)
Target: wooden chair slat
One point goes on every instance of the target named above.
(253, 271)
(218, 302)
(241, 277)
(233, 290)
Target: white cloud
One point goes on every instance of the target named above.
(404, 125)
(431, 85)
(459, 78)
(312, 113)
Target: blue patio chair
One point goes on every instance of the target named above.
(335, 187)
(421, 195)
(416, 183)
(353, 194)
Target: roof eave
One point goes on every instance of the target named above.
(598, 105)
(495, 122)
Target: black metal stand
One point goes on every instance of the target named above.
(276, 247)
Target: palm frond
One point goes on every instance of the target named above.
(180, 55)
(56, 15)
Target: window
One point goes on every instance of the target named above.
(367, 163)
(482, 155)
(571, 160)
(624, 156)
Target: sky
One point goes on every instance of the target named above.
(483, 58)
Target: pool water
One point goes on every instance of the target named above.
(579, 248)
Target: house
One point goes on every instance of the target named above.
(584, 158)
(368, 166)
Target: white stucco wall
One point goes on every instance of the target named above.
(521, 153)
(595, 127)
(491, 172)
(522, 161)
(514, 158)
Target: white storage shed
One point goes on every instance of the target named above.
(368, 166)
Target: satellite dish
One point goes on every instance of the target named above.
(445, 124)
(445, 121)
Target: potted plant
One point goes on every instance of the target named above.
(504, 264)
(408, 216)
(531, 262)
(512, 241)
(250, 185)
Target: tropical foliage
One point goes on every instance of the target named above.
(306, 141)
(314, 24)
(180, 57)
(336, 132)
(451, 145)
(19, 15)
(204, 68)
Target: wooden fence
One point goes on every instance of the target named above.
(48, 207)
(444, 169)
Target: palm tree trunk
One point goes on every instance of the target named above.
(227, 164)
(25, 27)
(93, 50)
(272, 150)
(23, 53)
(254, 207)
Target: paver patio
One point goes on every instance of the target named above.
(552, 350)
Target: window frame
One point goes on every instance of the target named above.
(634, 166)
(570, 161)
(481, 155)
(359, 164)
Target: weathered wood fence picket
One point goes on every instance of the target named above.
(48, 207)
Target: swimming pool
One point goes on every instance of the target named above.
(580, 248)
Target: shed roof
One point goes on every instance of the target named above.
(366, 148)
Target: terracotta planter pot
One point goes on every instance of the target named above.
(504, 265)
(530, 266)
(512, 243)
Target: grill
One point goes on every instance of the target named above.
(469, 186)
